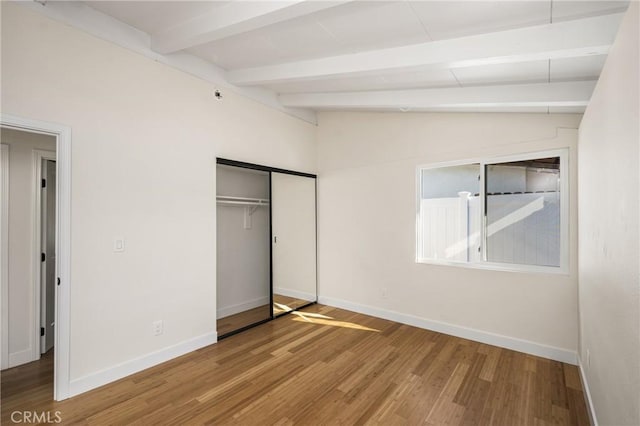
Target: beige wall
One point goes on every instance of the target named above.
(21, 285)
(144, 142)
(367, 213)
(610, 233)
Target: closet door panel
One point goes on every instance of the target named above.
(293, 210)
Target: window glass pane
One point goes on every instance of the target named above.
(449, 217)
(523, 212)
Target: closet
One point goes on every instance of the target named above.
(266, 243)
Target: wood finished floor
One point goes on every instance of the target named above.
(282, 304)
(243, 319)
(325, 366)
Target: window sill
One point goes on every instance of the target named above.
(503, 267)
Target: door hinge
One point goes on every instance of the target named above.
(44, 183)
(41, 331)
(58, 281)
(43, 257)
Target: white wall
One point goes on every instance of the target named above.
(610, 233)
(367, 220)
(21, 280)
(243, 272)
(144, 142)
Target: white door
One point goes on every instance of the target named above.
(48, 277)
(293, 209)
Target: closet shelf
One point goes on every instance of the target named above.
(241, 201)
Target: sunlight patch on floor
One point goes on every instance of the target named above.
(279, 307)
(326, 320)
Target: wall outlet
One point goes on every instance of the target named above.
(157, 328)
(588, 358)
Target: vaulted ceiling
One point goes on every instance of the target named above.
(533, 56)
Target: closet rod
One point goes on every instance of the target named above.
(242, 201)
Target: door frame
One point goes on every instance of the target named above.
(37, 157)
(4, 252)
(62, 339)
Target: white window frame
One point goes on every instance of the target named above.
(563, 153)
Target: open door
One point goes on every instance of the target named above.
(48, 269)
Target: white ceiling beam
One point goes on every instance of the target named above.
(567, 94)
(583, 37)
(232, 19)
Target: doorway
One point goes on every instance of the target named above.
(266, 244)
(243, 250)
(28, 242)
(43, 326)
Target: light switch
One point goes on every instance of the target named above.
(118, 244)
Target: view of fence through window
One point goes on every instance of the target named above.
(450, 213)
(523, 212)
(514, 219)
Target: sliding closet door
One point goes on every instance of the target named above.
(293, 242)
(243, 248)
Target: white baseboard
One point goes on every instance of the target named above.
(526, 346)
(297, 294)
(587, 395)
(226, 311)
(21, 357)
(100, 378)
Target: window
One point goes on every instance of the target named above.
(500, 213)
